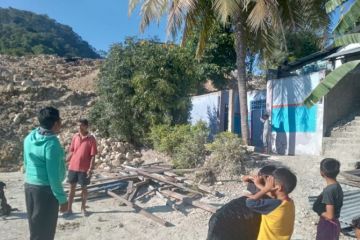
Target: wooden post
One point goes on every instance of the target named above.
(140, 210)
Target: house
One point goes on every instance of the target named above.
(297, 129)
(221, 111)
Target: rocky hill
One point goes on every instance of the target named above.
(29, 83)
(26, 33)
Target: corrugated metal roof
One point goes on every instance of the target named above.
(344, 53)
(350, 209)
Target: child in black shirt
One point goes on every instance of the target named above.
(328, 204)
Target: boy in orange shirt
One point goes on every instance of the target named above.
(277, 213)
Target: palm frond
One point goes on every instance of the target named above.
(132, 5)
(205, 25)
(177, 14)
(331, 5)
(261, 14)
(225, 9)
(152, 10)
(347, 39)
(348, 21)
(329, 82)
(313, 14)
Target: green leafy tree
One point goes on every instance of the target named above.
(219, 56)
(253, 23)
(24, 33)
(142, 84)
(298, 44)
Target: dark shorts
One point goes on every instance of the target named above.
(78, 177)
(328, 230)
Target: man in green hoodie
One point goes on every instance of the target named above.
(44, 164)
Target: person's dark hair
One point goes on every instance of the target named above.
(330, 167)
(356, 223)
(48, 116)
(84, 121)
(267, 170)
(286, 178)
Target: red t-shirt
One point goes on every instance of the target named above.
(82, 149)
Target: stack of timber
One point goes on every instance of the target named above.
(130, 185)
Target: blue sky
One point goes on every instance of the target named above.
(101, 23)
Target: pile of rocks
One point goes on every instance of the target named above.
(29, 83)
(113, 154)
(43, 69)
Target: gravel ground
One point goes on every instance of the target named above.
(111, 221)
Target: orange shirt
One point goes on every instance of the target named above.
(82, 149)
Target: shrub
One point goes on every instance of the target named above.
(227, 154)
(185, 144)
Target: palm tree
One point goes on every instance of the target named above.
(346, 32)
(254, 22)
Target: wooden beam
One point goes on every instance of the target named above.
(140, 210)
(152, 176)
(187, 170)
(119, 179)
(129, 190)
(150, 164)
(189, 201)
(137, 186)
(158, 170)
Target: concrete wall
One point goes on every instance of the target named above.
(211, 109)
(342, 100)
(296, 130)
(215, 110)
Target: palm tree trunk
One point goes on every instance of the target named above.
(240, 47)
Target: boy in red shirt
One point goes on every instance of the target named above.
(81, 159)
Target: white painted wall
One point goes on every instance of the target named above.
(299, 135)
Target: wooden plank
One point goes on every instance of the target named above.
(151, 164)
(140, 210)
(166, 178)
(133, 169)
(190, 201)
(120, 179)
(137, 186)
(190, 170)
(152, 176)
(145, 194)
(130, 189)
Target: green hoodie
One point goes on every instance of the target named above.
(44, 162)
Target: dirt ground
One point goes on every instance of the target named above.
(111, 221)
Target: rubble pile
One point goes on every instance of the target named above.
(29, 83)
